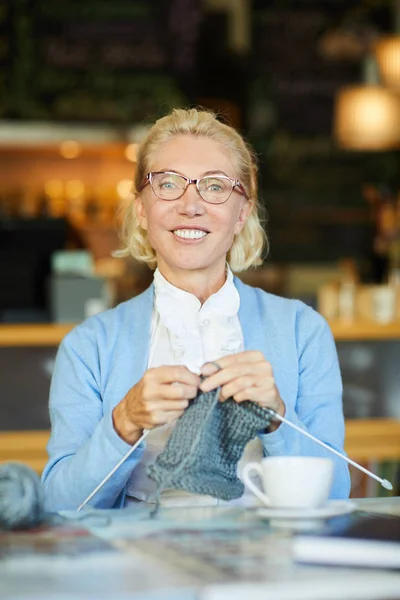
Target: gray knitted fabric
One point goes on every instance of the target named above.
(203, 451)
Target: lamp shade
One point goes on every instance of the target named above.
(367, 117)
(387, 53)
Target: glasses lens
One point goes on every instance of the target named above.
(215, 189)
(168, 186)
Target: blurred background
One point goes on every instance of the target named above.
(314, 87)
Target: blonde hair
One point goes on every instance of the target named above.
(248, 245)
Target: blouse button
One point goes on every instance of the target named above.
(205, 322)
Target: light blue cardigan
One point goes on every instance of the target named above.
(103, 357)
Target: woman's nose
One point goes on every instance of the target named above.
(191, 203)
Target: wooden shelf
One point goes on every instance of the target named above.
(28, 447)
(51, 334)
(364, 330)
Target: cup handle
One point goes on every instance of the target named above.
(247, 469)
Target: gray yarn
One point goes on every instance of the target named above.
(21, 497)
(203, 451)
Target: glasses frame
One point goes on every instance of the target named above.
(148, 179)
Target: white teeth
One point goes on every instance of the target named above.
(190, 234)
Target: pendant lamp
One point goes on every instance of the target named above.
(387, 53)
(367, 117)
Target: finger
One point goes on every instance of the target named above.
(165, 405)
(168, 417)
(257, 371)
(210, 368)
(155, 396)
(170, 374)
(248, 356)
(264, 398)
(236, 386)
(178, 391)
(246, 394)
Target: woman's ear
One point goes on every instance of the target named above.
(141, 214)
(243, 215)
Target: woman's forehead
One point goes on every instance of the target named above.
(187, 152)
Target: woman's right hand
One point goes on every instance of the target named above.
(159, 397)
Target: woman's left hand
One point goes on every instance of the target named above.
(244, 376)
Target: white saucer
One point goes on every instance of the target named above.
(331, 509)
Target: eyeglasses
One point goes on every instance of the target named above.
(214, 189)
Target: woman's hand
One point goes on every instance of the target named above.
(245, 376)
(159, 397)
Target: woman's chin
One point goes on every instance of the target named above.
(191, 259)
(190, 265)
(187, 264)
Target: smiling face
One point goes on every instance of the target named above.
(190, 236)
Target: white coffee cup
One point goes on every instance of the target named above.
(291, 481)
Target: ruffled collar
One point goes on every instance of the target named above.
(181, 311)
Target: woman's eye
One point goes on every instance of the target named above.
(170, 182)
(215, 185)
(167, 185)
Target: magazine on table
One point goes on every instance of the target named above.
(358, 539)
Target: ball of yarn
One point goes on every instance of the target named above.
(21, 497)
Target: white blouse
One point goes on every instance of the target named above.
(184, 332)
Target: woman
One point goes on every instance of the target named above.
(195, 219)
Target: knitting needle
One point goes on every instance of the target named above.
(114, 469)
(384, 482)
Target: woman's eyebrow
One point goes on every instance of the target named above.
(205, 174)
(168, 170)
(215, 172)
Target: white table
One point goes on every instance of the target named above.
(210, 553)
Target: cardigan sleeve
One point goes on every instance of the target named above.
(319, 407)
(83, 445)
